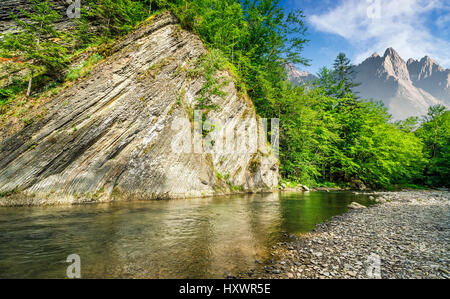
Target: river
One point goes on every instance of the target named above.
(195, 238)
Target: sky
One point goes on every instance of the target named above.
(414, 28)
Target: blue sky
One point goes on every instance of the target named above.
(414, 28)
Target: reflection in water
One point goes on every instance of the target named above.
(197, 238)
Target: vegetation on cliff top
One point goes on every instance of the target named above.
(327, 133)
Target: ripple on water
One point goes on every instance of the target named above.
(197, 238)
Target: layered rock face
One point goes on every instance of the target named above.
(116, 134)
(407, 89)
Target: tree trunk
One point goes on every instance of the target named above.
(29, 84)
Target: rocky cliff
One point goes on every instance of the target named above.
(112, 135)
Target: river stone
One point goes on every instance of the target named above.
(355, 205)
(381, 200)
(109, 136)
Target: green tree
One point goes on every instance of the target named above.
(327, 81)
(38, 43)
(344, 73)
(408, 125)
(309, 133)
(435, 133)
(111, 18)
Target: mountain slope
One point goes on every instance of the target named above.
(298, 77)
(398, 84)
(111, 136)
(431, 77)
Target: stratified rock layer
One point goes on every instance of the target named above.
(110, 136)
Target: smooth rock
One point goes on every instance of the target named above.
(355, 205)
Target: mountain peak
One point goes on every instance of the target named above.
(394, 65)
(427, 61)
(375, 55)
(427, 58)
(411, 61)
(391, 52)
(298, 77)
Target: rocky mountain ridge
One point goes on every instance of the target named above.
(298, 77)
(431, 77)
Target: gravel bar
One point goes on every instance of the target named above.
(405, 236)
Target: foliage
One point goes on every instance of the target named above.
(84, 68)
(110, 17)
(340, 140)
(344, 73)
(207, 66)
(37, 44)
(435, 133)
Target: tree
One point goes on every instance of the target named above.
(408, 125)
(344, 73)
(435, 133)
(37, 43)
(114, 17)
(327, 81)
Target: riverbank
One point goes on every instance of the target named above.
(18, 199)
(407, 232)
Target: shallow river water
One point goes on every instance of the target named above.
(196, 238)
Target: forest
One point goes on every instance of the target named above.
(329, 136)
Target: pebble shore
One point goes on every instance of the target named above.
(405, 236)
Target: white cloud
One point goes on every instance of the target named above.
(375, 25)
(443, 22)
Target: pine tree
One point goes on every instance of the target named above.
(116, 17)
(344, 73)
(37, 41)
